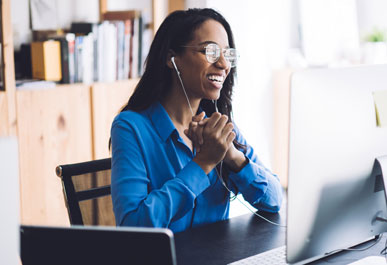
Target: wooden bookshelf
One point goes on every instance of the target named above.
(7, 97)
(67, 124)
(54, 127)
(106, 103)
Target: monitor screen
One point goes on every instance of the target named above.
(334, 195)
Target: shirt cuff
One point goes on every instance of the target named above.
(251, 172)
(194, 178)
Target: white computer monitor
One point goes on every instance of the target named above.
(334, 196)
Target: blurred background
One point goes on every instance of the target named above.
(269, 35)
(274, 39)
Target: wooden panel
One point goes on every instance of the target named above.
(176, 5)
(159, 12)
(107, 100)
(102, 8)
(3, 114)
(9, 68)
(54, 128)
(281, 94)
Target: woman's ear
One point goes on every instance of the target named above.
(169, 59)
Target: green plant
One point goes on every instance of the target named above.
(376, 35)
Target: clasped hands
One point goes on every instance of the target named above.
(213, 140)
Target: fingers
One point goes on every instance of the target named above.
(199, 134)
(195, 131)
(221, 123)
(193, 126)
(227, 130)
(213, 120)
(195, 134)
(199, 117)
(210, 130)
(230, 138)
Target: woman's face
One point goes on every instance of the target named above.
(201, 78)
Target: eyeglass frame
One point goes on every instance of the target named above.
(223, 50)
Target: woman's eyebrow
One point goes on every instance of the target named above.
(211, 42)
(207, 42)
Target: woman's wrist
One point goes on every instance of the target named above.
(207, 167)
(237, 161)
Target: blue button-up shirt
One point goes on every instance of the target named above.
(156, 183)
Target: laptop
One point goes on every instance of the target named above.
(45, 245)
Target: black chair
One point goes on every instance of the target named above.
(86, 188)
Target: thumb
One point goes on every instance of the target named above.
(198, 117)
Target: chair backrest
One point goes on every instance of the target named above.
(86, 188)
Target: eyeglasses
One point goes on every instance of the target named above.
(212, 52)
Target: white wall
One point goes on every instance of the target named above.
(371, 14)
(20, 22)
(263, 31)
(9, 201)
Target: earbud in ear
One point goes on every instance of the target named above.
(174, 65)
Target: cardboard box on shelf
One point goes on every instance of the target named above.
(46, 60)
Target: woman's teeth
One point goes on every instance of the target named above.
(216, 78)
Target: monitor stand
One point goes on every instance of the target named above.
(380, 173)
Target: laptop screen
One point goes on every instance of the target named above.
(96, 245)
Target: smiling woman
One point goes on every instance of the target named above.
(171, 140)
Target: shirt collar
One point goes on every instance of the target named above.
(161, 121)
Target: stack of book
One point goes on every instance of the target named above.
(99, 52)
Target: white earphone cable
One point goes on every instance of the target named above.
(181, 82)
(224, 184)
(221, 162)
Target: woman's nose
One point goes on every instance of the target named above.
(222, 63)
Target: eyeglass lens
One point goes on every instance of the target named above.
(213, 54)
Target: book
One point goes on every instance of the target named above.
(135, 39)
(46, 60)
(135, 45)
(127, 37)
(96, 44)
(67, 45)
(109, 53)
(120, 26)
(100, 49)
(87, 62)
(82, 28)
(23, 62)
(71, 56)
(78, 58)
(87, 58)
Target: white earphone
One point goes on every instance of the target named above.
(174, 65)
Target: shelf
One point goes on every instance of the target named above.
(66, 124)
(107, 101)
(53, 128)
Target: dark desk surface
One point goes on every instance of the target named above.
(243, 236)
